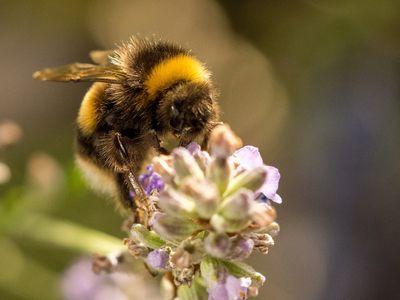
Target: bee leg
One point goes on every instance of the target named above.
(157, 143)
(125, 193)
(130, 175)
(139, 199)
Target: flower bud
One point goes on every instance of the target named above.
(219, 172)
(221, 224)
(223, 141)
(173, 229)
(163, 165)
(176, 203)
(218, 245)
(158, 259)
(204, 194)
(251, 179)
(241, 248)
(203, 159)
(193, 148)
(236, 207)
(185, 165)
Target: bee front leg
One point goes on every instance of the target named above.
(157, 143)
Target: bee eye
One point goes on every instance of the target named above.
(174, 112)
(176, 119)
(130, 132)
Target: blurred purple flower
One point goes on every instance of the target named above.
(151, 181)
(80, 283)
(250, 158)
(229, 288)
(193, 148)
(158, 259)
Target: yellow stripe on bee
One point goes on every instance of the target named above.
(174, 69)
(88, 115)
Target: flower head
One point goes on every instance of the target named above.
(208, 216)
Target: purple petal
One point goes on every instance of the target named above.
(249, 157)
(271, 183)
(277, 199)
(218, 292)
(158, 259)
(154, 182)
(236, 288)
(193, 148)
(150, 181)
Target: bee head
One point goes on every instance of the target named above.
(187, 109)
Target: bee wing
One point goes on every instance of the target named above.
(81, 72)
(101, 57)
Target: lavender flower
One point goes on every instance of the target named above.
(80, 283)
(249, 158)
(207, 217)
(229, 288)
(151, 181)
(158, 259)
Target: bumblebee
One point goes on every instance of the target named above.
(143, 91)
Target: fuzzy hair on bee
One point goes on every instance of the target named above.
(143, 91)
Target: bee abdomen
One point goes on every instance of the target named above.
(89, 112)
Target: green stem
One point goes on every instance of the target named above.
(68, 235)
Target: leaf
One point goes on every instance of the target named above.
(149, 238)
(209, 268)
(241, 269)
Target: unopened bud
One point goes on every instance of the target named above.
(223, 141)
(185, 165)
(219, 172)
(204, 194)
(221, 224)
(203, 159)
(173, 229)
(163, 165)
(218, 245)
(158, 259)
(241, 248)
(176, 203)
(236, 206)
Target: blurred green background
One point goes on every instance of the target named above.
(314, 84)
